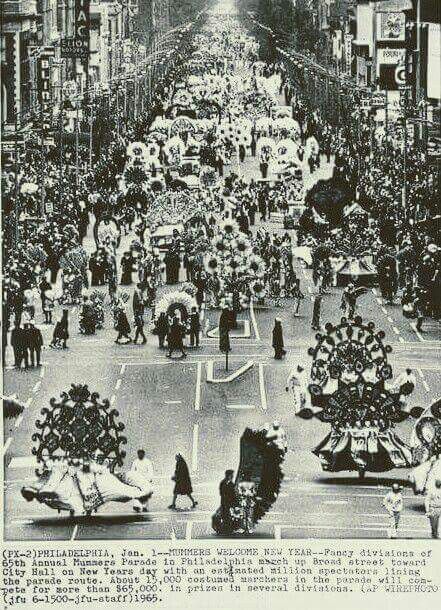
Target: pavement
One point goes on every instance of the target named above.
(167, 406)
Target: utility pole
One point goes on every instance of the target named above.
(418, 53)
(16, 182)
(42, 173)
(61, 156)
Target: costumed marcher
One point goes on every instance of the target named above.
(161, 328)
(172, 264)
(247, 494)
(61, 331)
(48, 304)
(277, 343)
(317, 305)
(175, 338)
(297, 295)
(87, 317)
(297, 382)
(393, 503)
(127, 262)
(433, 508)
(27, 343)
(143, 466)
(139, 327)
(182, 481)
(349, 301)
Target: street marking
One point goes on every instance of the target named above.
(123, 370)
(172, 534)
(74, 533)
(28, 402)
(18, 421)
(42, 372)
(347, 529)
(400, 339)
(112, 399)
(336, 502)
(197, 400)
(173, 402)
(194, 455)
(379, 301)
(263, 400)
(6, 445)
(253, 320)
(118, 384)
(241, 407)
(423, 379)
(374, 291)
(22, 462)
(277, 532)
(36, 387)
(419, 335)
(188, 530)
(395, 329)
(202, 312)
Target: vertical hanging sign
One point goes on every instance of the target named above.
(79, 45)
(82, 28)
(44, 87)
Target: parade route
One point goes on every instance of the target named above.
(235, 223)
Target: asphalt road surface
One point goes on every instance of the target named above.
(168, 407)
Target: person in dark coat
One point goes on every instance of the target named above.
(175, 338)
(315, 325)
(88, 317)
(278, 345)
(138, 300)
(162, 328)
(97, 268)
(227, 493)
(242, 153)
(182, 482)
(172, 263)
(61, 331)
(17, 338)
(139, 327)
(253, 144)
(122, 326)
(127, 269)
(252, 209)
(195, 327)
(36, 343)
(199, 282)
(243, 222)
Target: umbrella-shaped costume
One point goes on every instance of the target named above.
(348, 376)
(78, 449)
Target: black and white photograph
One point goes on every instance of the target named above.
(221, 270)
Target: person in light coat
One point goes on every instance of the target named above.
(144, 467)
(433, 508)
(393, 503)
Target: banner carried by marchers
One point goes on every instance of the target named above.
(78, 46)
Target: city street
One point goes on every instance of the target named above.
(168, 407)
(177, 181)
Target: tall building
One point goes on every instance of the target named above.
(19, 33)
